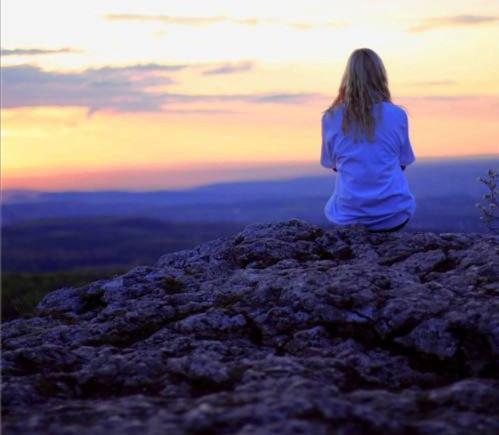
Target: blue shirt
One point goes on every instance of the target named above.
(371, 187)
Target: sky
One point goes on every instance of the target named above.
(170, 94)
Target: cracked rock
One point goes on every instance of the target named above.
(284, 328)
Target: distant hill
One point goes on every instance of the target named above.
(60, 238)
(99, 242)
(446, 192)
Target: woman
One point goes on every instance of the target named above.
(365, 139)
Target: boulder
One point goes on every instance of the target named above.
(284, 328)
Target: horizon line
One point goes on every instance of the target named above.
(303, 164)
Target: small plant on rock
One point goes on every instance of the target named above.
(489, 205)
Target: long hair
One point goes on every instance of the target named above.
(364, 83)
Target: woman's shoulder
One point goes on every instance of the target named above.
(331, 113)
(396, 111)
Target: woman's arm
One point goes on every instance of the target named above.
(406, 156)
(327, 156)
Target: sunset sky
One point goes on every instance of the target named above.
(163, 94)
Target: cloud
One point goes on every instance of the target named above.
(433, 83)
(36, 51)
(203, 21)
(230, 68)
(191, 21)
(302, 26)
(120, 89)
(186, 21)
(116, 88)
(200, 111)
(453, 21)
(257, 98)
(250, 21)
(285, 98)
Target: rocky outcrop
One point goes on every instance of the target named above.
(282, 329)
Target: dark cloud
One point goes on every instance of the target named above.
(230, 68)
(452, 21)
(36, 51)
(121, 89)
(116, 88)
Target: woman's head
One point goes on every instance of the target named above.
(364, 83)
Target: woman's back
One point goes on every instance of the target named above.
(371, 188)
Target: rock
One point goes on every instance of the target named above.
(285, 328)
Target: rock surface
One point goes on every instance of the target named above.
(282, 329)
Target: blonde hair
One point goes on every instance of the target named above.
(364, 83)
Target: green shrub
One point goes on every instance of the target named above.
(21, 291)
